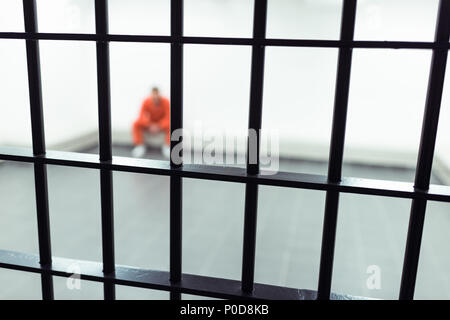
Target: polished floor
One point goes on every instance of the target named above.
(371, 231)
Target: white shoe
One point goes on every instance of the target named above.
(138, 151)
(165, 150)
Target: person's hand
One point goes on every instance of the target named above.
(153, 128)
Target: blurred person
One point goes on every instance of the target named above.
(154, 117)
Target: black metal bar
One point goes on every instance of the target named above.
(38, 136)
(175, 233)
(104, 121)
(255, 118)
(106, 186)
(336, 150)
(385, 188)
(176, 123)
(363, 44)
(368, 44)
(103, 79)
(34, 79)
(249, 244)
(158, 280)
(43, 221)
(426, 152)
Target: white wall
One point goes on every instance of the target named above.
(14, 102)
(68, 71)
(387, 91)
(442, 163)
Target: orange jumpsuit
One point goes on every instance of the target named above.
(152, 113)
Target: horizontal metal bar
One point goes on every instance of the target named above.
(367, 44)
(158, 280)
(227, 41)
(231, 174)
(83, 37)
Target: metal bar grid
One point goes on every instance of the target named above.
(174, 281)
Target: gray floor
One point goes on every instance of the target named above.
(371, 231)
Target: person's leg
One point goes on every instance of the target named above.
(138, 138)
(138, 132)
(167, 133)
(165, 149)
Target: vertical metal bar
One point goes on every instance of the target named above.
(106, 191)
(37, 128)
(103, 78)
(336, 150)
(255, 118)
(426, 152)
(104, 118)
(176, 122)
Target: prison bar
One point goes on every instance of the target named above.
(336, 150)
(426, 153)
(174, 281)
(176, 122)
(38, 138)
(386, 188)
(364, 44)
(157, 280)
(255, 119)
(104, 125)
